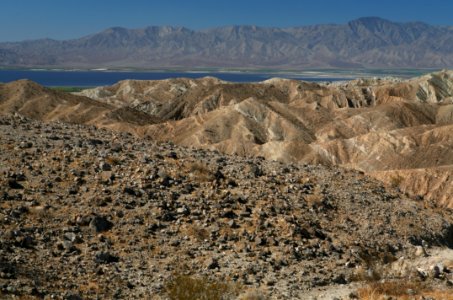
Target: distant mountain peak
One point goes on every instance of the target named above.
(372, 23)
(371, 20)
(116, 28)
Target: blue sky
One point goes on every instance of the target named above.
(63, 19)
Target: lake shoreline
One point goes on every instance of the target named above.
(103, 76)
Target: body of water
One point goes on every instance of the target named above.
(63, 78)
(101, 78)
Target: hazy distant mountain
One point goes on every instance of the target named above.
(365, 42)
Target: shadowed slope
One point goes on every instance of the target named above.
(32, 100)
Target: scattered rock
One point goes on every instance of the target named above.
(25, 241)
(105, 258)
(104, 166)
(213, 264)
(100, 224)
(420, 251)
(71, 296)
(422, 273)
(13, 184)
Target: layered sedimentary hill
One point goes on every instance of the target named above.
(379, 126)
(398, 131)
(89, 213)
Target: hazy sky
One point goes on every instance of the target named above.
(63, 19)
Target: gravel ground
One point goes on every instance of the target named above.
(86, 213)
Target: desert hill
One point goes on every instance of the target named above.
(399, 131)
(377, 126)
(88, 213)
(29, 98)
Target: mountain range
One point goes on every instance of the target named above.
(369, 42)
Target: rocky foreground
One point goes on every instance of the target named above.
(86, 213)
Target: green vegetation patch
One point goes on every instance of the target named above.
(69, 89)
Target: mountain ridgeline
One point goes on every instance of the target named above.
(366, 42)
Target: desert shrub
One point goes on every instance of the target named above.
(395, 181)
(252, 295)
(183, 287)
(114, 161)
(397, 289)
(370, 274)
(197, 232)
(200, 172)
(373, 266)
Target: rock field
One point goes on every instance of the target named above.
(88, 213)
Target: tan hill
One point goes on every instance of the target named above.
(32, 100)
(368, 124)
(28, 98)
(399, 131)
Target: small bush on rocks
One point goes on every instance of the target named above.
(401, 289)
(395, 181)
(183, 287)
